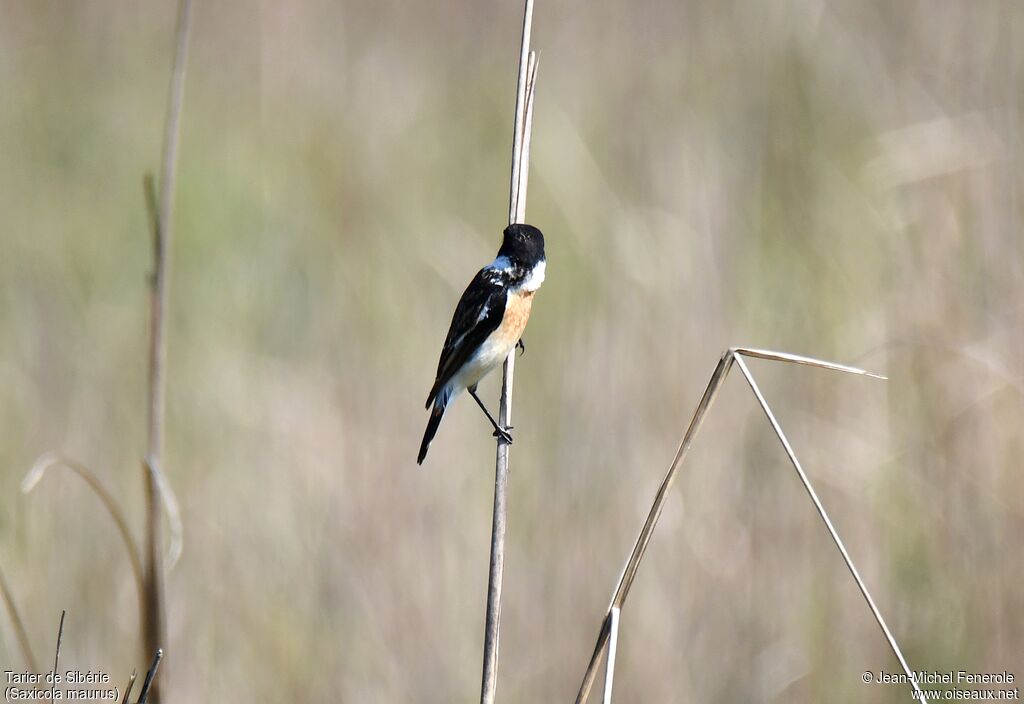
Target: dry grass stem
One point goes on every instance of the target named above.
(828, 524)
(170, 502)
(608, 633)
(56, 459)
(60, 639)
(149, 684)
(154, 627)
(19, 625)
(519, 123)
(517, 209)
(613, 642)
(128, 688)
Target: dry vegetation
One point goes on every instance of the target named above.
(840, 180)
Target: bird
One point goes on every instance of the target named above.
(487, 325)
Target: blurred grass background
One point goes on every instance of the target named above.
(839, 179)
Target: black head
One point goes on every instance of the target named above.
(523, 244)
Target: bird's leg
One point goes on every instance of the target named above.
(522, 346)
(499, 432)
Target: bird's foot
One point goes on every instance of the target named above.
(522, 346)
(504, 435)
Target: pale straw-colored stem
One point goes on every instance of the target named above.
(831, 528)
(56, 460)
(19, 625)
(154, 625)
(517, 213)
(608, 634)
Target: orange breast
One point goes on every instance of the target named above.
(499, 343)
(517, 312)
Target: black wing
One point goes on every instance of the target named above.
(477, 315)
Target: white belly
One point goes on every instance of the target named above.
(490, 355)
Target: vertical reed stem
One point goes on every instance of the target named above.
(154, 626)
(517, 212)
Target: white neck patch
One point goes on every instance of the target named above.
(536, 277)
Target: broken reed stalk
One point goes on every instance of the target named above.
(517, 214)
(154, 626)
(831, 528)
(608, 635)
(19, 625)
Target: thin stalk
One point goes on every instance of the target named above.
(149, 684)
(519, 123)
(154, 625)
(128, 688)
(613, 643)
(919, 695)
(19, 625)
(517, 209)
(640, 547)
(609, 624)
(60, 639)
(56, 459)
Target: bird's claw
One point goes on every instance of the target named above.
(522, 346)
(504, 435)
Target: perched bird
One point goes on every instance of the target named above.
(488, 323)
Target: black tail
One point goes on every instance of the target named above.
(435, 420)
